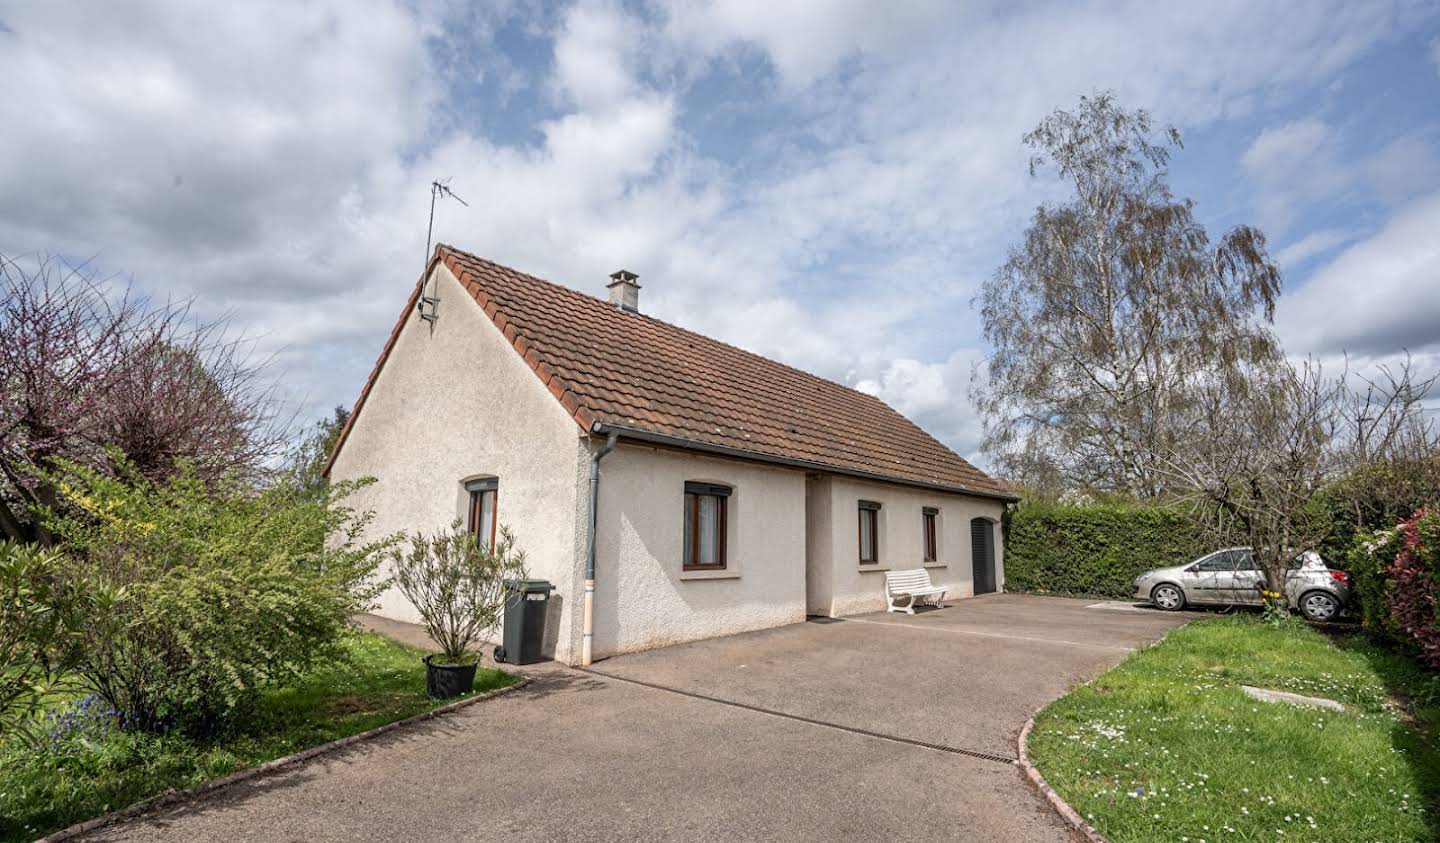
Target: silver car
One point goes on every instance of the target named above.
(1232, 577)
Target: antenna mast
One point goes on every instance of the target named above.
(429, 306)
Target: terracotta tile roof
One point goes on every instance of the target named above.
(611, 368)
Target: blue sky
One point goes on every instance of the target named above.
(825, 183)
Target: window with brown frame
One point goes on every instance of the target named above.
(869, 532)
(928, 516)
(484, 503)
(705, 526)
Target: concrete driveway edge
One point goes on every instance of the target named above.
(1067, 813)
(170, 797)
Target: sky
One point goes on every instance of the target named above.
(825, 183)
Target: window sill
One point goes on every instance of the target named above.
(873, 566)
(937, 564)
(719, 574)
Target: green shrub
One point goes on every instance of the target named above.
(1397, 577)
(1363, 508)
(37, 629)
(1373, 498)
(206, 593)
(1366, 560)
(1094, 550)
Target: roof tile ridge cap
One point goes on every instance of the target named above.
(922, 431)
(650, 321)
(656, 321)
(470, 256)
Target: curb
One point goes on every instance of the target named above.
(1067, 813)
(171, 797)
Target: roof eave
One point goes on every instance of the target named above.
(638, 435)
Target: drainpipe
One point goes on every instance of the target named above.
(590, 547)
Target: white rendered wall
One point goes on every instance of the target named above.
(644, 599)
(458, 403)
(851, 588)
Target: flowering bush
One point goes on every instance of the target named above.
(78, 723)
(1413, 585)
(457, 585)
(1397, 576)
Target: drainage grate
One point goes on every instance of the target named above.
(939, 747)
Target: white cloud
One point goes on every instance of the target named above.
(1292, 164)
(804, 39)
(934, 395)
(1404, 168)
(1289, 147)
(595, 53)
(284, 176)
(1378, 296)
(1315, 243)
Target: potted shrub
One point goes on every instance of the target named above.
(458, 587)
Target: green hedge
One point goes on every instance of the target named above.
(1093, 550)
(1367, 559)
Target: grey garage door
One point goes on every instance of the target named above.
(982, 549)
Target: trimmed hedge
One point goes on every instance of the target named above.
(1093, 550)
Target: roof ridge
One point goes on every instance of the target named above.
(706, 337)
(609, 367)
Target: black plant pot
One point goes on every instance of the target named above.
(443, 681)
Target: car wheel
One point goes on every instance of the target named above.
(1168, 597)
(1319, 606)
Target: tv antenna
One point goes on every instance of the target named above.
(429, 306)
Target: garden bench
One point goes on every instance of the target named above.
(911, 588)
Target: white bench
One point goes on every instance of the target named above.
(912, 588)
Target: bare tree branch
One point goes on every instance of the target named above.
(1112, 302)
(86, 365)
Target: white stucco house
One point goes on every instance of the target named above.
(693, 489)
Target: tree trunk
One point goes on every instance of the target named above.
(11, 526)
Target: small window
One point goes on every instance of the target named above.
(928, 516)
(869, 532)
(484, 499)
(705, 526)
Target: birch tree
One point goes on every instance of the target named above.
(1113, 301)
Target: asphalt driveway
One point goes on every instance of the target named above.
(967, 676)
(803, 732)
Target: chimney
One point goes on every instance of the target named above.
(624, 291)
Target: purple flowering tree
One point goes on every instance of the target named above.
(86, 366)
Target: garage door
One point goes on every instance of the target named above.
(982, 549)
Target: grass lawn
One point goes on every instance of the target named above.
(94, 771)
(1167, 747)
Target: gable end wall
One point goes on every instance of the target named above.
(456, 403)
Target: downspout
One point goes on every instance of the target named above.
(590, 547)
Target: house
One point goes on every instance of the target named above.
(723, 491)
